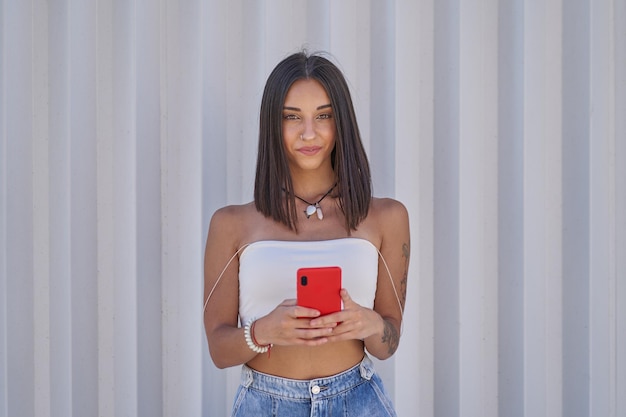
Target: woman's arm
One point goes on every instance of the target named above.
(226, 340)
(390, 299)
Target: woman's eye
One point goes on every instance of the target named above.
(325, 116)
(290, 117)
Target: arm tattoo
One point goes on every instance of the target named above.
(405, 251)
(405, 276)
(390, 337)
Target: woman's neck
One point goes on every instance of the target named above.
(314, 185)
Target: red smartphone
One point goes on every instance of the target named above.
(319, 288)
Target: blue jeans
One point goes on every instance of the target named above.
(353, 393)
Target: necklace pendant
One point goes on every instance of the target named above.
(320, 215)
(310, 210)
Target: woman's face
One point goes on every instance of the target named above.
(308, 126)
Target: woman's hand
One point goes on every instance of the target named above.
(289, 324)
(353, 322)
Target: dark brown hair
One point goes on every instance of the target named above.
(273, 188)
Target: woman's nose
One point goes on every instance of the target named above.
(309, 132)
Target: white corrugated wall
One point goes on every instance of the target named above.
(501, 124)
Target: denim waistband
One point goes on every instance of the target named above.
(308, 389)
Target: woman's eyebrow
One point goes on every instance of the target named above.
(299, 109)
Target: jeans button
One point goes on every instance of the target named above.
(315, 389)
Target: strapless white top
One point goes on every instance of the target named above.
(267, 271)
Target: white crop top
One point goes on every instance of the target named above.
(267, 271)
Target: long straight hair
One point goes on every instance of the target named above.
(273, 187)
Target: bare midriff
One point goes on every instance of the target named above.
(304, 363)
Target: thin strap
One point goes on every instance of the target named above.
(221, 274)
(393, 285)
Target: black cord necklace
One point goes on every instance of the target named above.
(315, 207)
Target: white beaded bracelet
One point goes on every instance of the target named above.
(247, 333)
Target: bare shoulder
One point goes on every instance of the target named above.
(233, 212)
(228, 223)
(390, 220)
(388, 210)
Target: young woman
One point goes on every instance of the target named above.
(312, 207)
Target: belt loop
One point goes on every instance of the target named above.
(246, 376)
(366, 368)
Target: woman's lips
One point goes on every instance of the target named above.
(309, 150)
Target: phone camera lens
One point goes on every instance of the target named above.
(303, 280)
